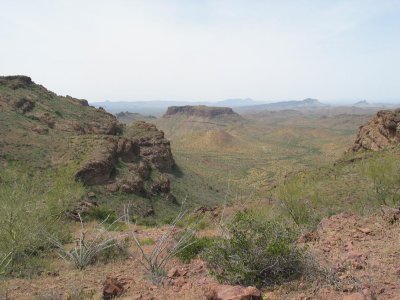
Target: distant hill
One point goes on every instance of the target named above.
(200, 111)
(308, 103)
(181, 120)
(128, 117)
(364, 104)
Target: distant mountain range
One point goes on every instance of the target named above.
(158, 108)
(243, 106)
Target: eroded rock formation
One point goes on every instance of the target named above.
(380, 132)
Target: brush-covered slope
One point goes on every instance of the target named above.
(43, 130)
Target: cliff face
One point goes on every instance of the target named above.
(66, 130)
(380, 132)
(199, 111)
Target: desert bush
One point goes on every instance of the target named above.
(253, 251)
(295, 199)
(101, 213)
(32, 206)
(384, 173)
(196, 246)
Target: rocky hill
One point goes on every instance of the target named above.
(42, 129)
(380, 132)
(306, 104)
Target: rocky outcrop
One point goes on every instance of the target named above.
(380, 132)
(16, 82)
(154, 147)
(140, 153)
(199, 111)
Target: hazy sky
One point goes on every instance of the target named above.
(205, 50)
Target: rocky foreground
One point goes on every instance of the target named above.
(360, 257)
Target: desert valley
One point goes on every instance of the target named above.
(199, 150)
(141, 207)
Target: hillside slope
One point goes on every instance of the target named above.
(43, 130)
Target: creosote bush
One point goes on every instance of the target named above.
(254, 251)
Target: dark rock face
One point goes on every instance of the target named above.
(380, 132)
(199, 111)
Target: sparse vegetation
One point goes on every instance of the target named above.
(164, 249)
(87, 250)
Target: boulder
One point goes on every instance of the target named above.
(112, 288)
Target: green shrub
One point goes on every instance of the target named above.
(295, 199)
(255, 252)
(194, 248)
(384, 173)
(101, 214)
(32, 207)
